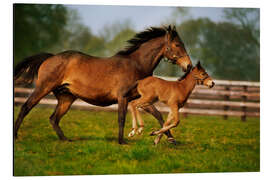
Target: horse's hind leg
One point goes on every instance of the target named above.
(34, 98)
(65, 100)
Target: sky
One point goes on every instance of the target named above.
(141, 17)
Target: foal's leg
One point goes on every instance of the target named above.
(152, 110)
(140, 121)
(134, 119)
(135, 116)
(168, 121)
(65, 100)
(175, 121)
(34, 98)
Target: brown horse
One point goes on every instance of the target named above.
(172, 93)
(99, 81)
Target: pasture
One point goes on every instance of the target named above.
(205, 144)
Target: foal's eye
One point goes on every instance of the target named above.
(177, 45)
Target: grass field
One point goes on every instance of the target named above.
(205, 144)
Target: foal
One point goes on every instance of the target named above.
(172, 93)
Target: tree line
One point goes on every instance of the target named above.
(230, 49)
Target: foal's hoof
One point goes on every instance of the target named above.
(132, 133)
(171, 140)
(140, 130)
(153, 133)
(157, 139)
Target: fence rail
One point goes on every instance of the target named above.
(227, 98)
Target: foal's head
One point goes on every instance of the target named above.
(201, 76)
(175, 49)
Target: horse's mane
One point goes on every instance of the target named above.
(148, 34)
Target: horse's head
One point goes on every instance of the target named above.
(175, 50)
(201, 76)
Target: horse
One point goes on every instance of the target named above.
(172, 93)
(96, 80)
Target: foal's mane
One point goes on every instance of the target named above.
(148, 34)
(185, 75)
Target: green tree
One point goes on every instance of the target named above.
(116, 36)
(36, 28)
(224, 48)
(248, 19)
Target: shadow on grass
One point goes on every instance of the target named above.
(104, 139)
(180, 145)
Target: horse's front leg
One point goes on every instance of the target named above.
(122, 110)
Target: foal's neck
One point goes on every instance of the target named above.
(149, 54)
(189, 83)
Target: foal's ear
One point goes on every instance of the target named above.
(198, 65)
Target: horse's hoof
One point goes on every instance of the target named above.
(65, 139)
(122, 142)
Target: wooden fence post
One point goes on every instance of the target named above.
(244, 108)
(226, 98)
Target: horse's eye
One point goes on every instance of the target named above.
(177, 45)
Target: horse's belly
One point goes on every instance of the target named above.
(94, 95)
(103, 102)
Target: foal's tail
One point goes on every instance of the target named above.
(26, 70)
(128, 91)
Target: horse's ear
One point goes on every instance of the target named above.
(167, 36)
(169, 28)
(174, 28)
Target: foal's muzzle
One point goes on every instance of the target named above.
(211, 84)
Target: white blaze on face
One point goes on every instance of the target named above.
(185, 64)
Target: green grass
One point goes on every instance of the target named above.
(205, 144)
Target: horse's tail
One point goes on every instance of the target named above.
(128, 91)
(27, 69)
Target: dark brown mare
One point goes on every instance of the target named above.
(99, 81)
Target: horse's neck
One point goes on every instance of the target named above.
(149, 54)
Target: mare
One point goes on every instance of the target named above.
(99, 81)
